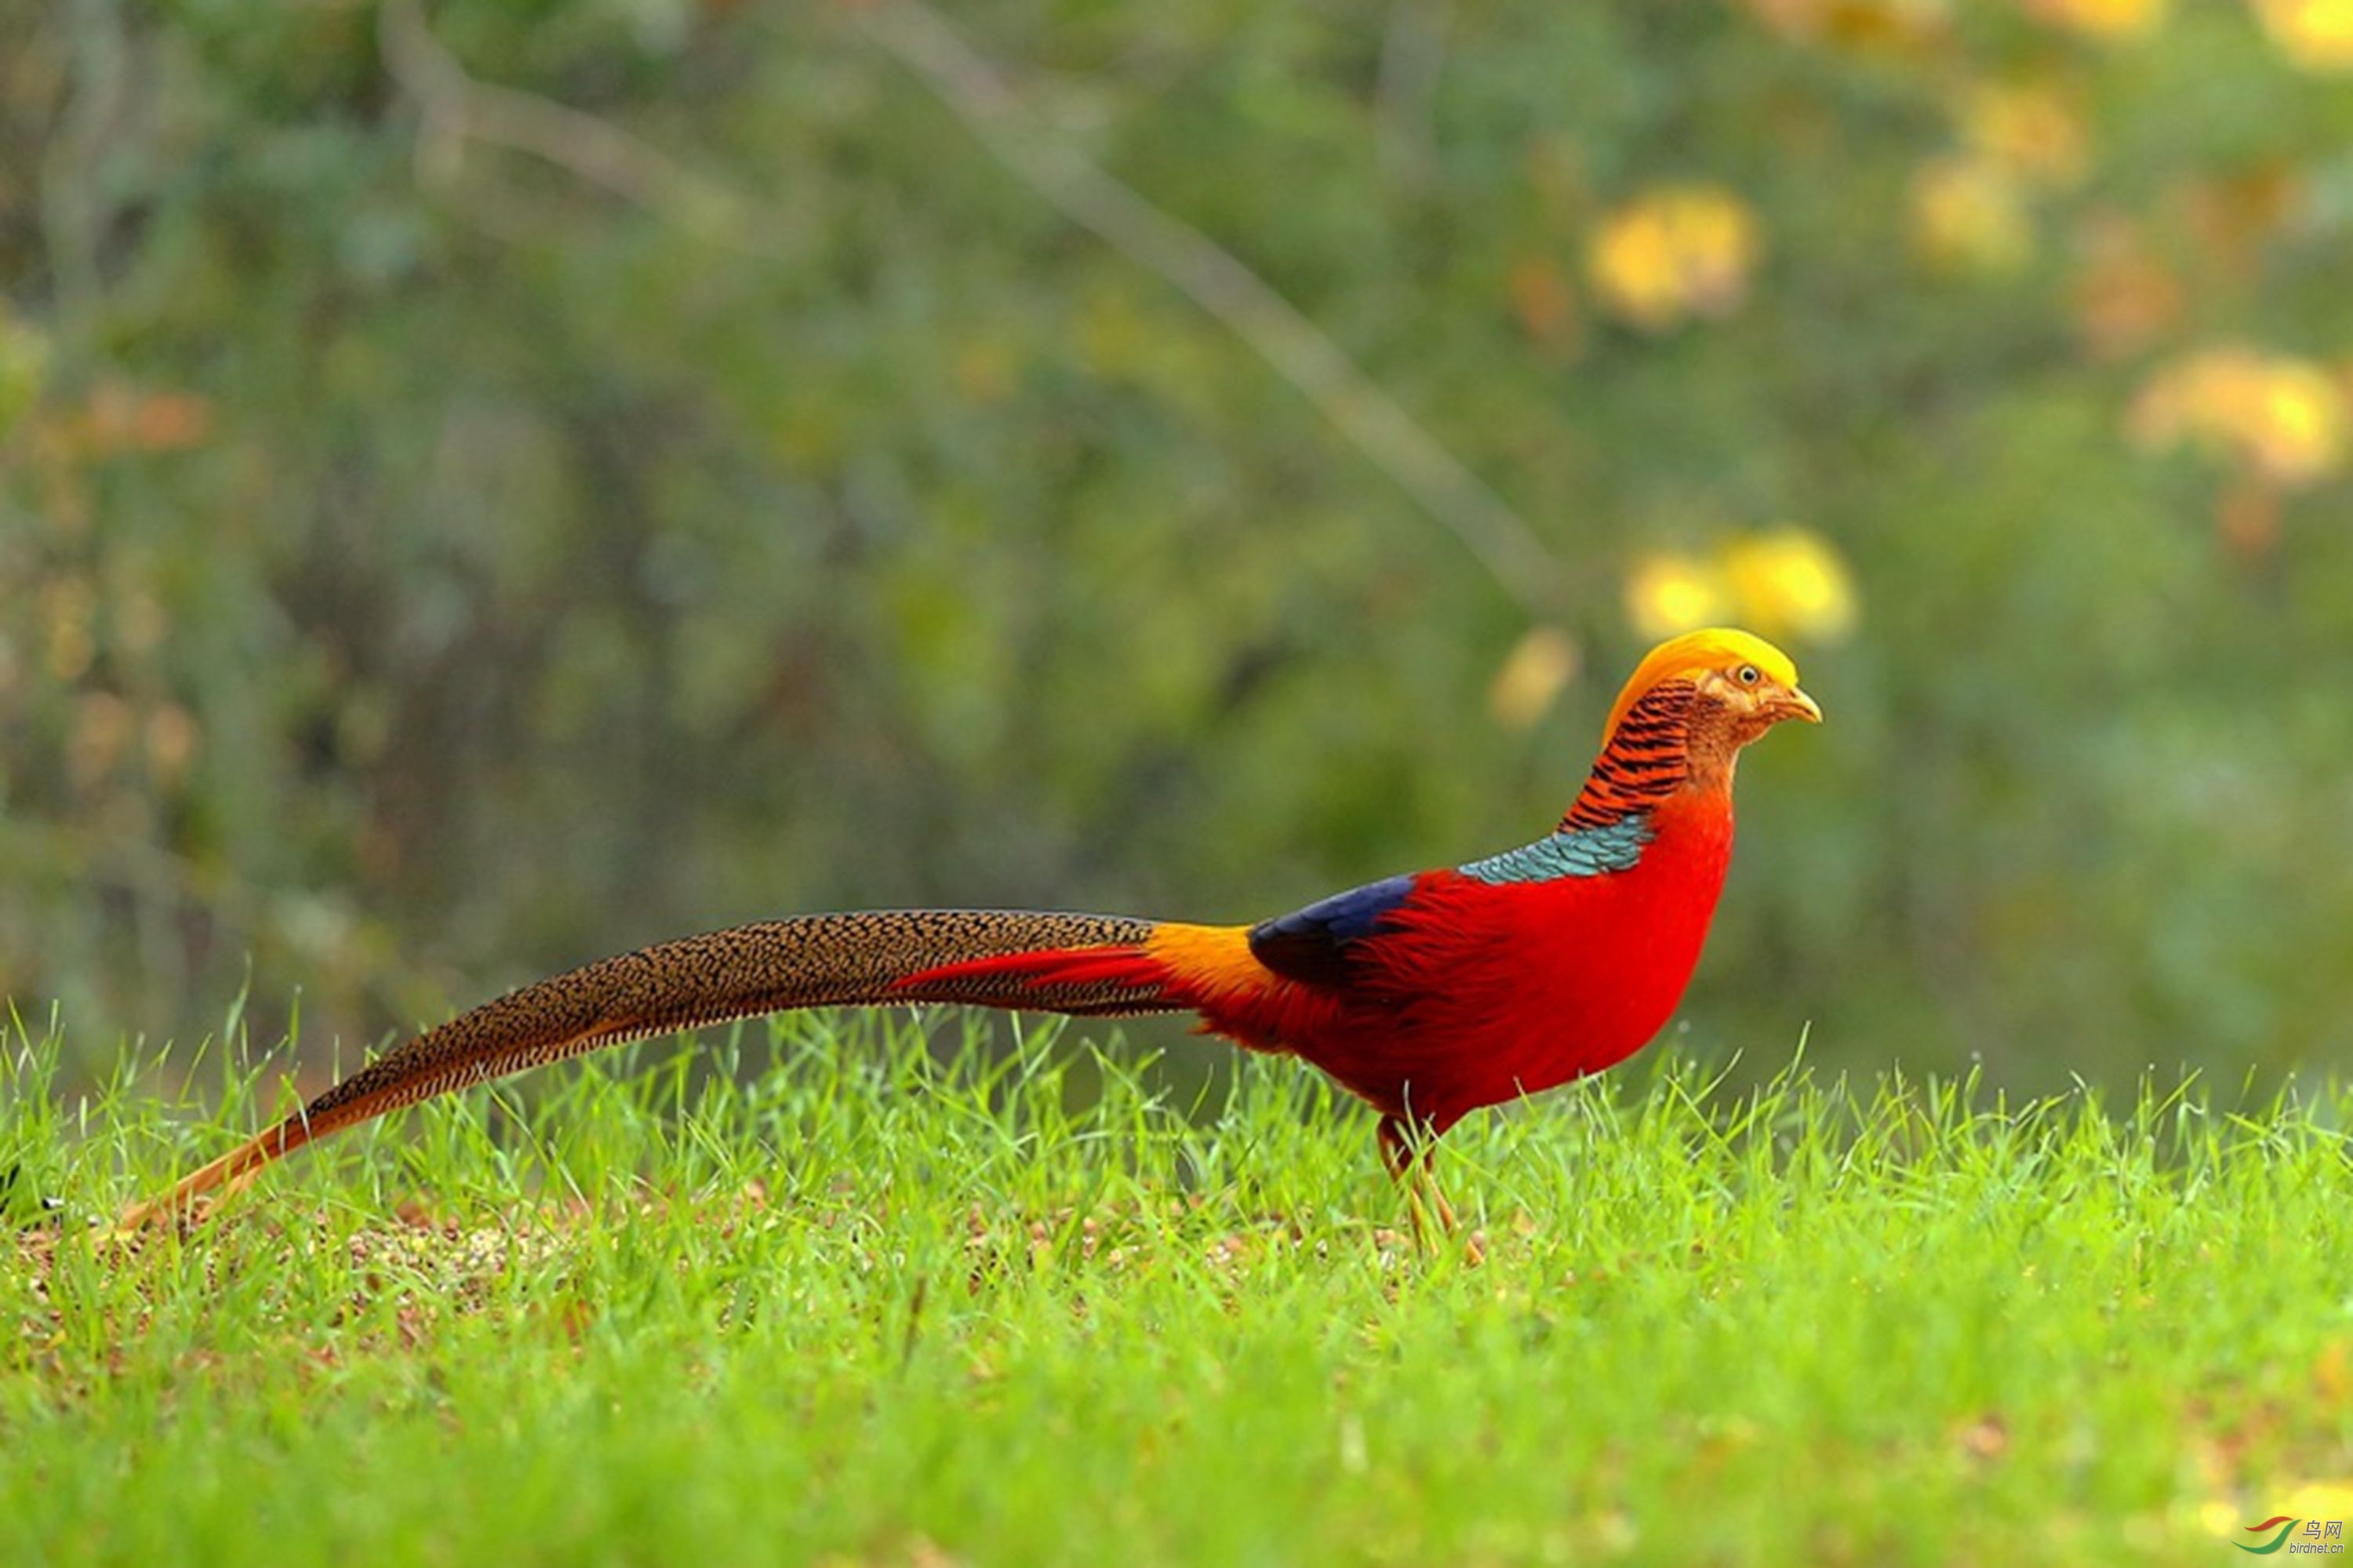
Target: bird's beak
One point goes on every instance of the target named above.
(1794, 704)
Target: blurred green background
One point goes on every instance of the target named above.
(483, 485)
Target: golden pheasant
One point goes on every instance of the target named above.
(1429, 995)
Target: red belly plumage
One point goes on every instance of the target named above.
(1473, 993)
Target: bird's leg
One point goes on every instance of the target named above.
(1405, 1150)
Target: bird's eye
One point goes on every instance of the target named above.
(1748, 675)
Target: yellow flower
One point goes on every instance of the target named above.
(2320, 1500)
(2284, 419)
(2302, 1500)
(2028, 130)
(2299, 425)
(2220, 1517)
(1969, 213)
(1677, 252)
(2106, 19)
(2315, 34)
(1858, 25)
(1540, 665)
(1667, 593)
(1791, 581)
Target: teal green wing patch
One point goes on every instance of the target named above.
(1580, 852)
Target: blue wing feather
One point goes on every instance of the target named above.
(1312, 944)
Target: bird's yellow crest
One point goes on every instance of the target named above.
(1711, 648)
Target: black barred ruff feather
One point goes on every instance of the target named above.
(1646, 760)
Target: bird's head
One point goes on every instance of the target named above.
(1731, 686)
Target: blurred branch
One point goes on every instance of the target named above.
(1413, 52)
(458, 108)
(1219, 283)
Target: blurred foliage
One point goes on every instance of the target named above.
(489, 485)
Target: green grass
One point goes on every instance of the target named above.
(880, 1301)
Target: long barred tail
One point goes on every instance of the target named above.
(1077, 964)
